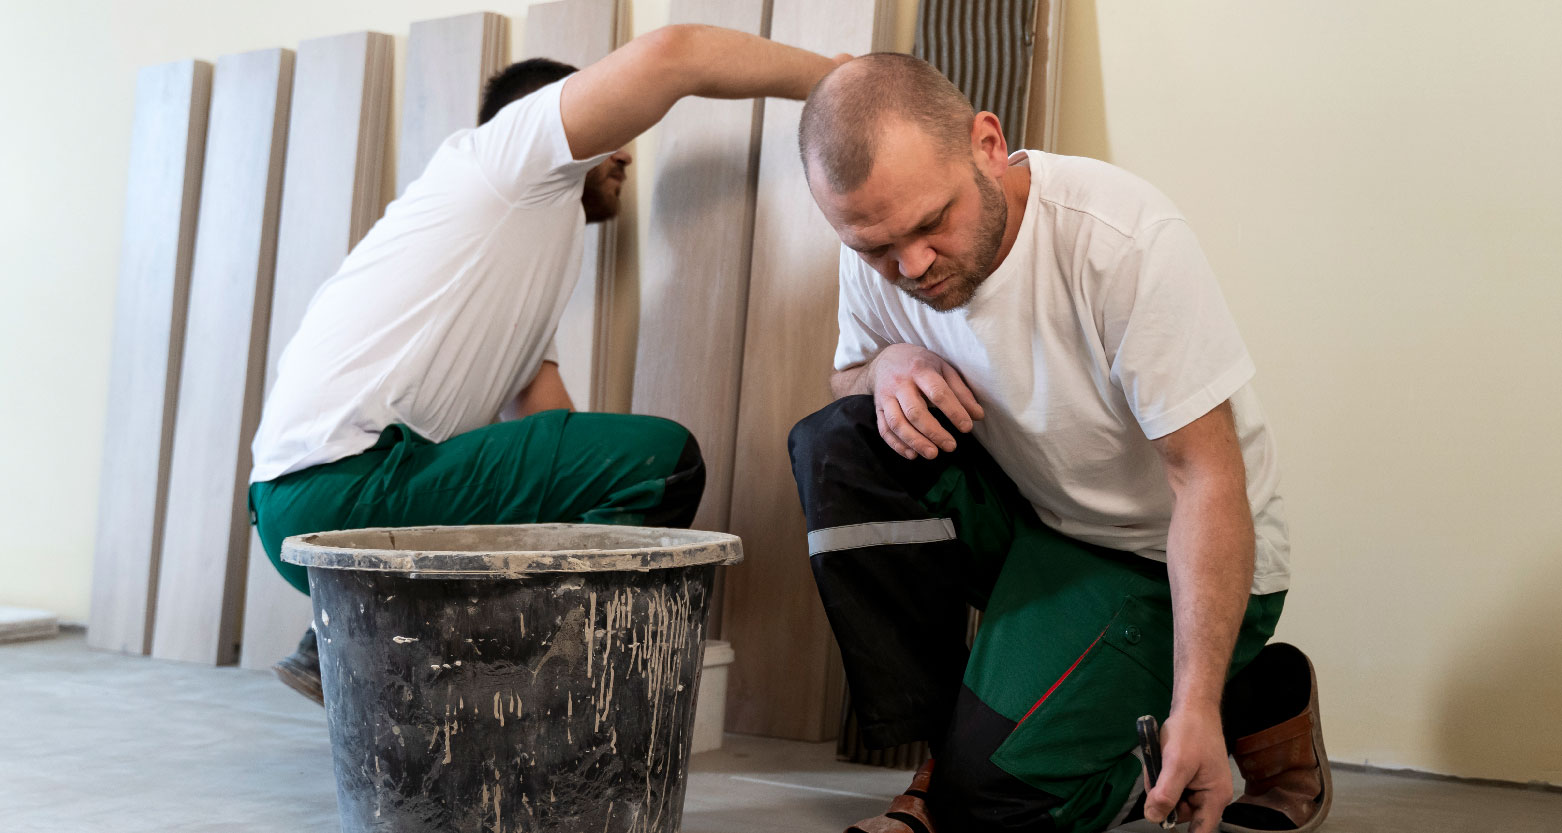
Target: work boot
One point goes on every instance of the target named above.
(1284, 764)
(300, 670)
(907, 813)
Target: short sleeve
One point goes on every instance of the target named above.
(551, 352)
(1173, 347)
(525, 155)
(862, 335)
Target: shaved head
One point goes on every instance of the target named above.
(851, 110)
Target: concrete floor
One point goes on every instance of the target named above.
(111, 744)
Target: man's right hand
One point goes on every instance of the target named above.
(904, 379)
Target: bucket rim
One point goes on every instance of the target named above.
(376, 549)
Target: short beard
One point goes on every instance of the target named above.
(965, 277)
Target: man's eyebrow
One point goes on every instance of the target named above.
(931, 219)
(856, 244)
(934, 216)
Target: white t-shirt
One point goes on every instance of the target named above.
(1103, 329)
(447, 307)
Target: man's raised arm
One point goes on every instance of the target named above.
(614, 100)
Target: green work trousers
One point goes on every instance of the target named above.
(551, 467)
(1033, 727)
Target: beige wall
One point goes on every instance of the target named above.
(1377, 183)
(1379, 186)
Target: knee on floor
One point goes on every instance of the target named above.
(974, 796)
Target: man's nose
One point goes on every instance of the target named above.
(914, 262)
(622, 157)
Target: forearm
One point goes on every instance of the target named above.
(1209, 555)
(851, 381)
(722, 63)
(607, 104)
(1210, 562)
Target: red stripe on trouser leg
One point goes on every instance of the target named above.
(1061, 679)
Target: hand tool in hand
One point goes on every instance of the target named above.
(1150, 747)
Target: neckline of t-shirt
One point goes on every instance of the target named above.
(1003, 274)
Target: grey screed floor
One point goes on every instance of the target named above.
(105, 743)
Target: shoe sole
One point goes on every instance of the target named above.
(300, 681)
(1323, 765)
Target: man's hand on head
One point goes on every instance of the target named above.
(905, 380)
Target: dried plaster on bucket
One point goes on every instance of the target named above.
(643, 632)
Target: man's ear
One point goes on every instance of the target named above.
(988, 147)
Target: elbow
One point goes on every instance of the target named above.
(665, 52)
(1193, 477)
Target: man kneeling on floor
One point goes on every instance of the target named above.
(1119, 520)
(383, 412)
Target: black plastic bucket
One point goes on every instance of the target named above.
(511, 678)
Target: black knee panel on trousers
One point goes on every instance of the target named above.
(897, 610)
(969, 793)
(840, 444)
(682, 490)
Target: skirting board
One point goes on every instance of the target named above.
(695, 264)
(582, 32)
(200, 586)
(18, 624)
(167, 146)
(449, 59)
(331, 195)
(786, 680)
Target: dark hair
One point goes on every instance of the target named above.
(845, 114)
(517, 81)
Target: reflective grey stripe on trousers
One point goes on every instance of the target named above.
(853, 536)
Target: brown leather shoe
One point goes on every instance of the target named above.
(907, 813)
(300, 670)
(1286, 770)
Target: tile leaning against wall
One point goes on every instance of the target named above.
(206, 527)
(786, 680)
(579, 33)
(167, 148)
(331, 195)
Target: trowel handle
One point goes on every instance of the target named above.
(1150, 749)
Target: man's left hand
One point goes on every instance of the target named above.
(1195, 776)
